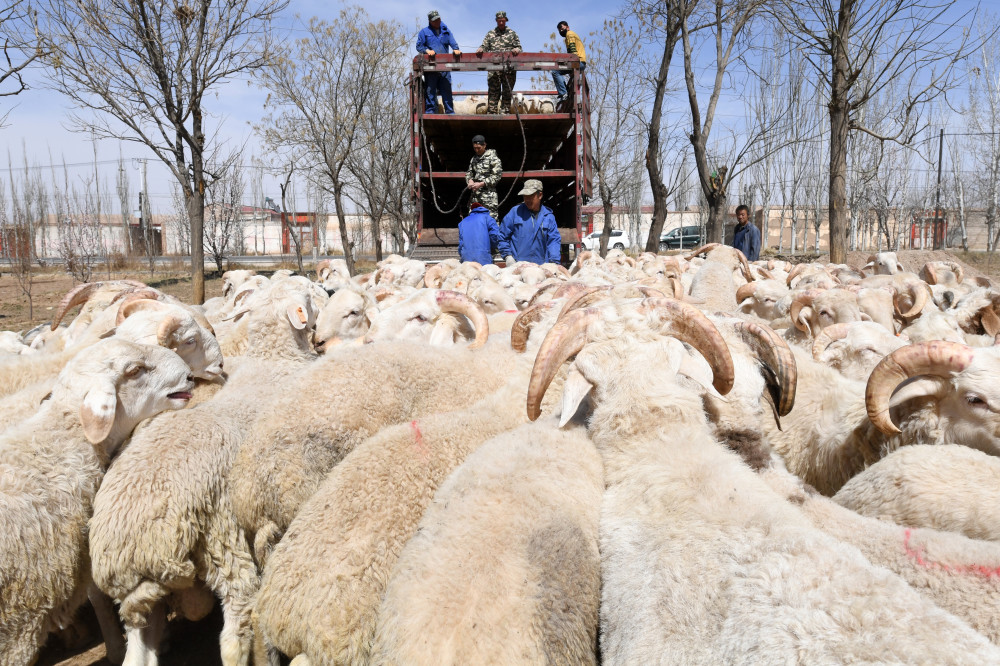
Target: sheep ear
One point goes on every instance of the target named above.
(575, 389)
(443, 334)
(236, 315)
(921, 387)
(297, 316)
(802, 321)
(97, 413)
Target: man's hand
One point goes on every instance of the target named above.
(479, 51)
(457, 52)
(516, 51)
(475, 185)
(510, 260)
(429, 52)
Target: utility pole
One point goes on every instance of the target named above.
(938, 223)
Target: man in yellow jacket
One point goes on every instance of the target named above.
(573, 45)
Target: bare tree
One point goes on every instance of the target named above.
(983, 120)
(955, 190)
(660, 25)
(146, 68)
(21, 46)
(223, 213)
(323, 87)
(290, 227)
(78, 225)
(19, 231)
(897, 40)
(616, 119)
(725, 25)
(379, 165)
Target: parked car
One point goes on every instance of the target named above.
(680, 238)
(616, 242)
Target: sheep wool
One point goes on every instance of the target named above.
(504, 566)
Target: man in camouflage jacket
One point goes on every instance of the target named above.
(483, 175)
(500, 84)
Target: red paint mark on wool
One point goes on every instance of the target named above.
(917, 555)
(418, 438)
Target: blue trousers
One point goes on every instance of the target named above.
(438, 83)
(561, 77)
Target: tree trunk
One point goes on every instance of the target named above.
(338, 202)
(659, 189)
(606, 232)
(196, 213)
(839, 126)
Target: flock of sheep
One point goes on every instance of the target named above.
(693, 460)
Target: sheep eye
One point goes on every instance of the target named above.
(134, 371)
(975, 400)
(418, 317)
(354, 313)
(189, 341)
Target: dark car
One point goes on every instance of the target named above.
(680, 238)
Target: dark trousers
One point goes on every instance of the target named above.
(438, 83)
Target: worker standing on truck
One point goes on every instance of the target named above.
(500, 84)
(529, 231)
(434, 39)
(573, 45)
(478, 235)
(483, 175)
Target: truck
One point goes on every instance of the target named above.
(536, 141)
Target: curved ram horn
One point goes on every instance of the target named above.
(794, 273)
(930, 272)
(744, 266)
(565, 340)
(938, 358)
(78, 295)
(746, 291)
(828, 335)
(689, 324)
(519, 330)
(803, 300)
(452, 301)
(918, 292)
(548, 289)
(781, 373)
(132, 305)
(707, 247)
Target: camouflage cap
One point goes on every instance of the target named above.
(501, 14)
(433, 15)
(531, 187)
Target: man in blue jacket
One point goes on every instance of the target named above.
(434, 39)
(746, 236)
(478, 235)
(529, 231)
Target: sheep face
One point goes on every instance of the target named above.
(427, 317)
(118, 383)
(969, 409)
(175, 329)
(884, 263)
(347, 316)
(855, 355)
(827, 308)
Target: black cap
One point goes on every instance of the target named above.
(479, 138)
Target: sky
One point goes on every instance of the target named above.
(37, 121)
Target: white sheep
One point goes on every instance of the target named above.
(945, 487)
(50, 468)
(956, 573)
(340, 401)
(163, 516)
(332, 580)
(504, 566)
(701, 561)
